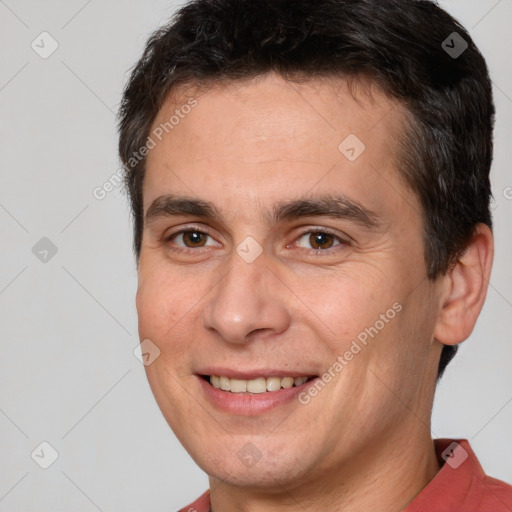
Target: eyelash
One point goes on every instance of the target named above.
(192, 229)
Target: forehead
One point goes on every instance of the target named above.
(267, 137)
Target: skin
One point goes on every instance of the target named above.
(364, 441)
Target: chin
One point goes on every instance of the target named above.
(239, 463)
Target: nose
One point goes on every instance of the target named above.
(249, 298)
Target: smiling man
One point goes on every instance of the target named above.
(310, 191)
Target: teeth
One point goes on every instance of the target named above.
(287, 382)
(238, 386)
(259, 385)
(273, 384)
(225, 383)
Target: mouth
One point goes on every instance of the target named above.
(252, 392)
(257, 385)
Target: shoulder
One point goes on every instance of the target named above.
(492, 494)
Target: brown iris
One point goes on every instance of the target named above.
(319, 239)
(196, 238)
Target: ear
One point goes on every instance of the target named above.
(465, 288)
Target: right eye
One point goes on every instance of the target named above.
(188, 239)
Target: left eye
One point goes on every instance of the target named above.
(319, 240)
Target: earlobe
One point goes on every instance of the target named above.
(465, 289)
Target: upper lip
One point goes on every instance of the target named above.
(254, 373)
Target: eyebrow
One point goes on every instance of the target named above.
(338, 207)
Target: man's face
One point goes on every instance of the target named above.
(265, 290)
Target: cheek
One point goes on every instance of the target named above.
(150, 310)
(160, 305)
(168, 309)
(346, 305)
(401, 355)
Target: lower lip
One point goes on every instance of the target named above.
(250, 404)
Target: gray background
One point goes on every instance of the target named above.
(68, 375)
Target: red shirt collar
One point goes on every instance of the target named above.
(461, 484)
